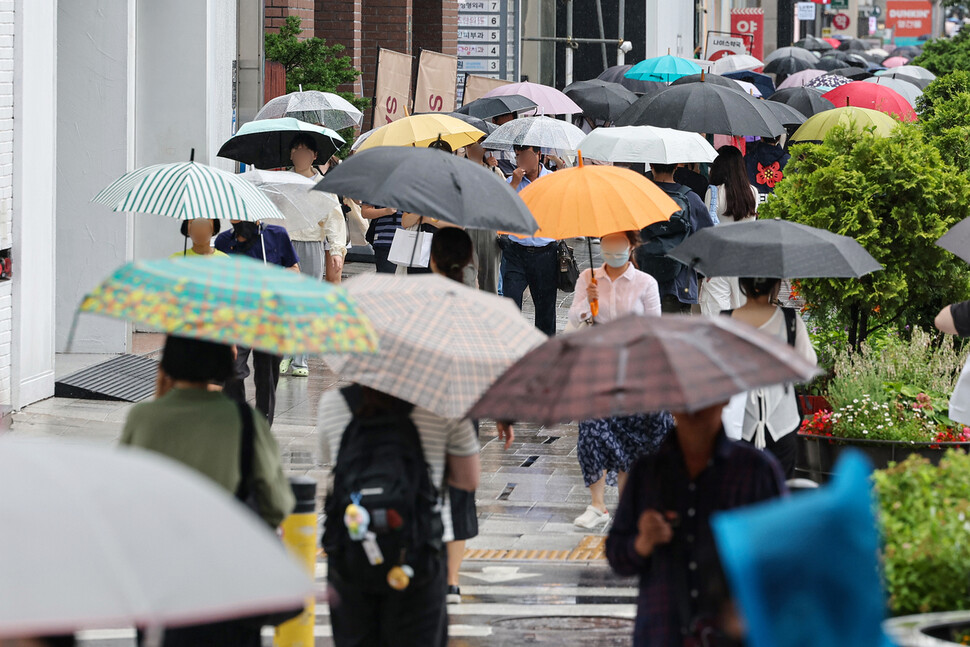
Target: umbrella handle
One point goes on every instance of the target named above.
(594, 305)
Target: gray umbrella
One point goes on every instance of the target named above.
(774, 249)
(617, 74)
(600, 99)
(545, 132)
(489, 107)
(957, 240)
(433, 184)
(786, 114)
(796, 52)
(807, 101)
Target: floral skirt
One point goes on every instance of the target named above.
(614, 444)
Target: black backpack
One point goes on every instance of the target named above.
(381, 467)
(661, 237)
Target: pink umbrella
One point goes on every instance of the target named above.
(799, 79)
(550, 100)
(895, 61)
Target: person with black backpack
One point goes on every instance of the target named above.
(771, 415)
(383, 527)
(678, 283)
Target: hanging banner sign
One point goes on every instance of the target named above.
(393, 92)
(436, 90)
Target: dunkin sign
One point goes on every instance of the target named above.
(909, 18)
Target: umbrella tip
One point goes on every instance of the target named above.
(703, 72)
(580, 154)
(192, 155)
(301, 87)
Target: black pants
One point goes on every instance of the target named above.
(380, 259)
(239, 633)
(671, 305)
(414, 617)
(266, 374)
(785, 449)
(535, 268)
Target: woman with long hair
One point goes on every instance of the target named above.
(608, 447)
(730, 198)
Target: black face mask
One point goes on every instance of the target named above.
(247, 230)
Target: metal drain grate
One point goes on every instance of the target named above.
(130, 378)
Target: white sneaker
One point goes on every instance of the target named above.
(591, 518)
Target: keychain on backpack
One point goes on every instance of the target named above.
(373, 551)
(399, 577)
(356, 518)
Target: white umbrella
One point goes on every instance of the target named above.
(292, 195)
(646, 144)
(545, 132)
(748, 88)
(315, 107)
(99, 537)
(735, 63)
(909, 91)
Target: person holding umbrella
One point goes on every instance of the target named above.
(270, 244)
(765, 160)
(486, 246)
(608, 447)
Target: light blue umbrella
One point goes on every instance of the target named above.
(663, 68)
(804, 570)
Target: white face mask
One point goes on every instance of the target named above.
(616, 258)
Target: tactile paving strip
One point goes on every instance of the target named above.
(591, 547)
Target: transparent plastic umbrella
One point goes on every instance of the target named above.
(545, 132)
(312, 106)
(293, 196)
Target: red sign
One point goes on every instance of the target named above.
(841, 21)
(909, 18)
(750, 22)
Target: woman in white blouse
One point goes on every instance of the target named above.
(771, 413)
(608, 447)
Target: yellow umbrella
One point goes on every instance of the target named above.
(422, 130)
(857, 119)
(595, 201)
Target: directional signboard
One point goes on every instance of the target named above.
(488, 37)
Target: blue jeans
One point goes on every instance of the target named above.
(535, 268)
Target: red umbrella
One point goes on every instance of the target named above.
(834, 42)
(873, 96)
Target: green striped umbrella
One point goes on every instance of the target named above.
(235, 300)
(186, 191)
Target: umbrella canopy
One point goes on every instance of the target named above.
(266, 143)
(908, 51)
(878, 52)
(361, 138)
(491, 107)
(595, 201)
(663, 68)
(852, 73)
(736, 63)
(799, 79)
(915, 74)
(442, 344)
(834, 42)
(432, 184)
(762, 82)
(545, 132)
(827, 81)
(486, 127)
(786, 114)
(873, 96)
(796, 52)
(315, 107)
(185, 191)
(774, 249)
(787, 65)
(617, 74)
(108, 544)
(908, 91)
(957, 240)
(895, 61)
(853, 45)
(706, 77)
(646, 144)
(422, 130)
(807, 101)
(749, 89)
(549, 100)
(858, 119)
(813, 44)
(830, 63)
(234, 300)
(638, 364)
(704, 108)
(291, 194)
(600, 99)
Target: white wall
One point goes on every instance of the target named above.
(35, 109)
(669, 26)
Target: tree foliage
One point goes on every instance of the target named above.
(896, 196)
(943, 55)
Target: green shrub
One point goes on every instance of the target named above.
(943, 55)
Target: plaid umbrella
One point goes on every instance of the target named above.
(235, 300)
(639, 364)
(441, 344)
(186, 191)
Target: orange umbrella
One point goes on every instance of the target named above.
(595, 201)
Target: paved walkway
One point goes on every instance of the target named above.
(530, 575)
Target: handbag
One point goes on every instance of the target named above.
(568, 270)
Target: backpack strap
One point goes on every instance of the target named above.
(247, 450)
(728, 313)
(790, 325)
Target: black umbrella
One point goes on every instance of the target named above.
(706, 77)
(774, 249)
(909, 51)
(808, 101)
(854, 73)
(853, 44)
(704, 108)
(433, 184)
(787, 115)
(617, 74)
(857, 60)
(266, 143)
(829, 63)
(486, 127)
(813, 44)
(788, 65)
(600, 99)
(488, 107)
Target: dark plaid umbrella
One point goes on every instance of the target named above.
(433, 184)
(761, 81)
(600, 99)
(488, 107)
(788, 65)
(704, 108)
(957, 240)
(617, 74)
(639, 364)
(787, 115)
(774, 249)
(807, 101)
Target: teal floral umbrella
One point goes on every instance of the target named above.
(235, 300)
